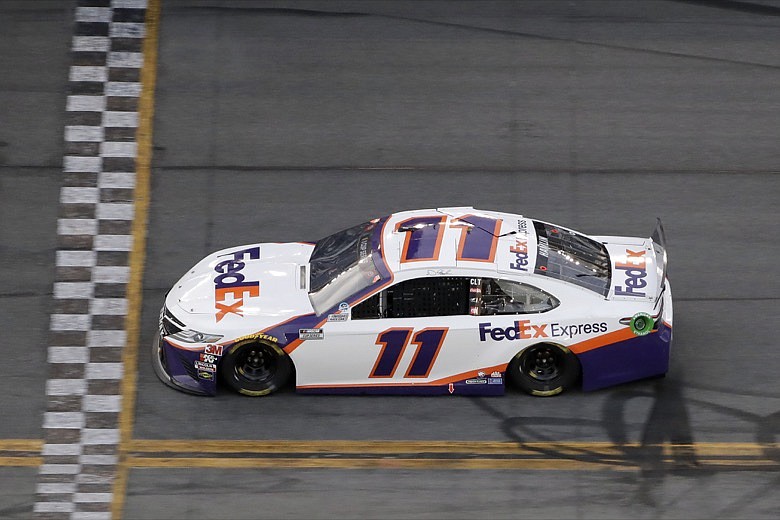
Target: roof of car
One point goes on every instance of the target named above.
(458, 237)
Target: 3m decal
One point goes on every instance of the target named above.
(214, 350)
(524, 329)
(394, 341)
(635, 268)
(230, 286)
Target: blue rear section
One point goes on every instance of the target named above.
(629, 360)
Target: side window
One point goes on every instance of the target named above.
(431, 296)
(493, 296)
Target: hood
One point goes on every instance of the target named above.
(635, 272)
(244, 287)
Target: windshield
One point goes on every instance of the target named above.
(342, 265)
(575, 258)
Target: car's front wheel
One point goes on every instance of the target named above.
(544, 369)
(256, 368)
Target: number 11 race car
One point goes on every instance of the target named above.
(437, 301)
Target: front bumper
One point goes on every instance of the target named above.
(176, 367)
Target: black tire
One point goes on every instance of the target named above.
(544, 370)
(255, 368)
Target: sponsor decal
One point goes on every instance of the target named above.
(524, 329)
(480, 374)
(495, 374)
(311, 334)
(342, 314)
(520, 248)
(635, 270)
(205, 367)
(208, 358)
(214, 350)
(476, 381)
(641, 324)
(495, 381)
(208, 376)
(230, 285)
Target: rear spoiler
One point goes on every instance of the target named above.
(659, 246)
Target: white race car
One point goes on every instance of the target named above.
(436, 301)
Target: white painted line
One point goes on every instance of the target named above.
(79, 195)
(91, 44)
(85, 478)
(61, 449)
(66, 387)
(98, 460)
(120, 89)
(127, 60)
(114, 211)
(77, 226)
(73, 290)
(118, 149)
(113, 243)
(59, 469)
(62, 488)
(106, 338)
(72, 163)
(111, 274)
(88, 73)
(103, 371)
(94, 436)
(102, 403)
(108, 306)
(68, 355)
(93, 14)
(86, 104)
(54, 507)
(90, 515)
(126, 30)
(76, 258)
(92, 497)
(61, 322)
(116, 180)
(63, 420)
(83, 134)
(128, 4)
(120, 119)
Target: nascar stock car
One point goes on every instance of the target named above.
(436, 301)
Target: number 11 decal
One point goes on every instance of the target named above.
(394, 341)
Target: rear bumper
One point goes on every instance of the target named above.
(632, 359)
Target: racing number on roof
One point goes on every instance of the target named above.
(394, 341)
(478, 238)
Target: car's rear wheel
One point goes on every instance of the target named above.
(256, 368)
(544, 369)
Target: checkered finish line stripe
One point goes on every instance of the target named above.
(94, 230)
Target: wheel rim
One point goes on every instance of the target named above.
(256, 364)
(543, 362)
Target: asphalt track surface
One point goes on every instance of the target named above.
(279, 121)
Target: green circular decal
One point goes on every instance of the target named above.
(641, 324)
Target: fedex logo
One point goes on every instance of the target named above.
(520, 249)
(635, 267)
(523, 329)
(230, 287)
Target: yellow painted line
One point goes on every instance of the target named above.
(138, 254)
(396, 447)
(372, 463)
(21, 461)
(21, 445)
